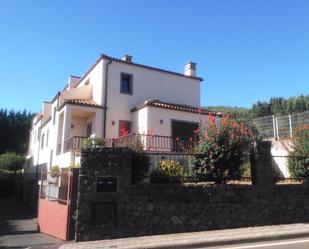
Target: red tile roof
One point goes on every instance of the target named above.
(177, 107)
(86, 102)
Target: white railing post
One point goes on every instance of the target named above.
(274, 127)
(277, 129)
(291, 128)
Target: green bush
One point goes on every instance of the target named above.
(170, 167)
(168, 171)
(11, 161)
(299, 157)
(55, 170)
(222, 150)
(141, 160)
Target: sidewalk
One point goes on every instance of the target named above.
(200, 239)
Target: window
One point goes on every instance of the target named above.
(42, 142)
(124, 127)
(89, 129)
(47, 136)
(126, 83)
(54, 116)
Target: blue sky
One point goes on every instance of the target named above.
(245, 50)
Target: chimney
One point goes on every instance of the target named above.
(190, 69)
(73, 80)
(127, 58)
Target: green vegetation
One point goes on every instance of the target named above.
(93, 142)
(14, 131)
(141, 161)
(55, 170)
(10, 161)
(222, 150)
(299, 160)
(167, 171)
(275, 106)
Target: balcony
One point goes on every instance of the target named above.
(73, 143)
(149, 142)
(155, 142)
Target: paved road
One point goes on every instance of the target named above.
(18, 228)
(300, 243)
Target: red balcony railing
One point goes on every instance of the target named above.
(154, 142)
(73, 143)
(149, 142)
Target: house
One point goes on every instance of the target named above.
(114, 98)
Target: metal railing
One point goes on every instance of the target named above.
(280, 126)
(160, 167)
(54, 186)
(155, 142)
(73, 143)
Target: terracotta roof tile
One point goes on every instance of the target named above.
(86, 102)
(177, 107)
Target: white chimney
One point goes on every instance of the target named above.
(127, 58)
(73, 80)
(190, 69)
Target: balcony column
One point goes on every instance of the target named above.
(98, 123)
(67, 120)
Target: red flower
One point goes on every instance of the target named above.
(196, 131)
(177, 139)
(211, 119)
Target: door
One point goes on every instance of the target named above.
(183, 134)
(89, 129)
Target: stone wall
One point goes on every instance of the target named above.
(147, 209)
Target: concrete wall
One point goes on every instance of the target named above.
(150, 117)
(84, 92)
(146, 209)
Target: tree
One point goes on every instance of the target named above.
(11, 161)
(14, 132)
(275, 106)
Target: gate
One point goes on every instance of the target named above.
(57, 203)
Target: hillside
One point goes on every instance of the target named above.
(275, 106)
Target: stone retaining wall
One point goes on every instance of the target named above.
(147, 209)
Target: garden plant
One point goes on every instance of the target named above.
(299, 157)
(222, 149)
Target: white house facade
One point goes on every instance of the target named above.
(114, 98)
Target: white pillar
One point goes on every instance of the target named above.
(98, 123)
(291, 128)
(66, 132)
(274, 127)
(277, 129)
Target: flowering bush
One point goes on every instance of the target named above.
(168, 171)
(299, 158)
(141, 161)
(222, 149)
(93, 142)
(171, 167)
